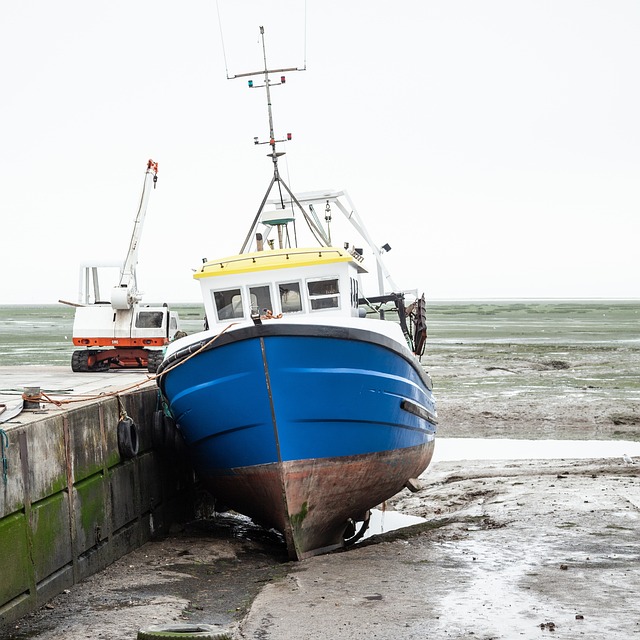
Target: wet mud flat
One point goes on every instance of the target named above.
(509, 550)
(204, 571)
(539, 371)
(518, 550)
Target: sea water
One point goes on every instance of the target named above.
(458, 449)
(42, 334)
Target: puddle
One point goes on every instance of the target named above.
(455, 449)
(383, 521)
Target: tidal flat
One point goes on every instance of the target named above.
(536, 370)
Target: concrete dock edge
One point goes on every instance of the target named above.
(71, 504)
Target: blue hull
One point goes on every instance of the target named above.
(263, 401)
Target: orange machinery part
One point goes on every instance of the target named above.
(120, 342)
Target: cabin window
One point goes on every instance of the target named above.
(354, 293)
(324, 294)
(228, 304)
(260, 298)
(149, 319)
(173, 324)
(290, 298)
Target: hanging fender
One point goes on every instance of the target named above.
(127, 438)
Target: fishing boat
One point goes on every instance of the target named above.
(303, 403)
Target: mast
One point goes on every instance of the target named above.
(274, 153)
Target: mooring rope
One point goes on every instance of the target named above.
(46, 398)
(4, 445)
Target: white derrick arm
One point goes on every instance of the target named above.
(128, 280)
(353, 217)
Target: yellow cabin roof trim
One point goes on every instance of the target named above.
(277, 259)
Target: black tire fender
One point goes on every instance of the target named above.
(182, 632)
(169, 428)
(127, 438)
(181, 449)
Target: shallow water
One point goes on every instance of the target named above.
(456, 449)
(42, 334)
(388, 520)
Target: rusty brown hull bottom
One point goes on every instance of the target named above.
(312, 501)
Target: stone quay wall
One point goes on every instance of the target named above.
(71, 503)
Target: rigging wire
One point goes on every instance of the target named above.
(290, 202)
(224, 52)
(305, 35)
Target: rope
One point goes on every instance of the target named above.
(195, 353)
(123, 411)
(4, 445)
(28, 398)
(109, 394)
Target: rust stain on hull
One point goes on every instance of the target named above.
(311, 501)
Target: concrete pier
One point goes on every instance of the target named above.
(72, 500)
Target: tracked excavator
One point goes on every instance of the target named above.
(121, 333)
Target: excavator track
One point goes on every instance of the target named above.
(84, 361)
(80, 361)
(154, 359)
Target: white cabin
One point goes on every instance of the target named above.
(281, 282)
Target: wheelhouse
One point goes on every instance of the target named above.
(281, 283)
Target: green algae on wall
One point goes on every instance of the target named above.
(50, 526)
(14, 551)
(90, 507)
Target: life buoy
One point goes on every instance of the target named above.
(127, 438)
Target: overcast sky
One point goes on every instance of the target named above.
(495, 145)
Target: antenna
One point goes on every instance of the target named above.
(274, 154)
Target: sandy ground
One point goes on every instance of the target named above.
(520, 549)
